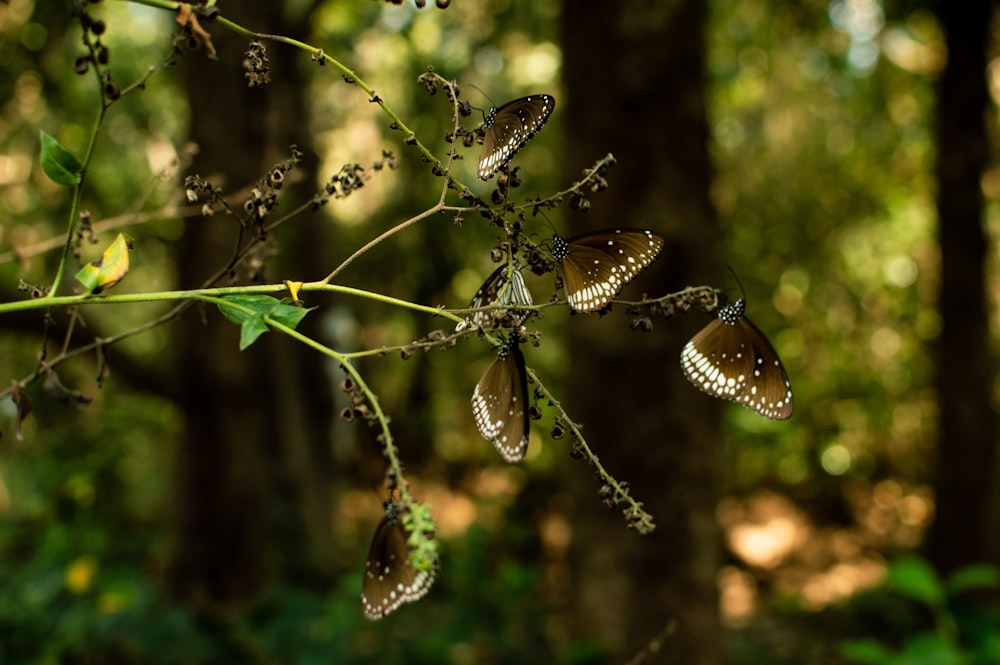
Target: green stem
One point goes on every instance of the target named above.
(634, 507)
(74, 209)
(160, 4)
(375, 241)
(418, 534)
(312, 50)
(388, 447)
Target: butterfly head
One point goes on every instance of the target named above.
(732, 312)
(391, 510)
(560, 247)
(513, 340)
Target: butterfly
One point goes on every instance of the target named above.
(504, 287)
(732, 359)
(595, 267)
(509, 127)
(500, 403)
(390, 579)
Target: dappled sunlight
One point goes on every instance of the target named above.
(494, 490)
(862, 21)
(357, 136)
(555, 531)
(536, 64)
(194, 508)
(840, 581)
(994, 79)
(893, 514)
(907, 48)
(556, 534)
(836, 459)
(792, 291)
(14, 169)
(162, 157)
(738, 596)
(454, 512)
(764, 529)
(885, 343)
(486, 496)
(783, 549)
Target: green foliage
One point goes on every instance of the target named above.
(122, 616)
(914, 577)
(59, 163)
(249, 313)
(84, 576)
(824, 193)
(961, 627)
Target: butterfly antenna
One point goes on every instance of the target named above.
(721, 298)
(492, 105)
(391, 481)
(732, 272)
(743, 291)
(552, 226)
(381, 497)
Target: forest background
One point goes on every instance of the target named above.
(170, 498)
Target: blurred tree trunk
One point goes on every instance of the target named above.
(964, 530)
(252, 467)
(636, 86)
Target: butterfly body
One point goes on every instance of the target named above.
(390, 579)
(500, 403)
(732, 359)
(508, 128)
(504, 287)
(596, 266)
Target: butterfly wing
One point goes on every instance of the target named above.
(732, 359)
(718, 360)
(500, 404)
(390, 579)
(509, 127)
(487, 294)
(769, 392)
(499, 288)
(596, 266)
(514, 291)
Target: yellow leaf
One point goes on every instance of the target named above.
(108, 270)
(80, 574)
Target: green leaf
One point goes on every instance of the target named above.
(989, 649)
(289, 315)
(261, 305)
(983, 576)
(913, 577)
(930, 649)
(59, 163)
(253, 325)
(108, 270)
(868, 652)
(251, 328)
(279, 310)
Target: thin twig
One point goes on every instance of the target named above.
(655, 644)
